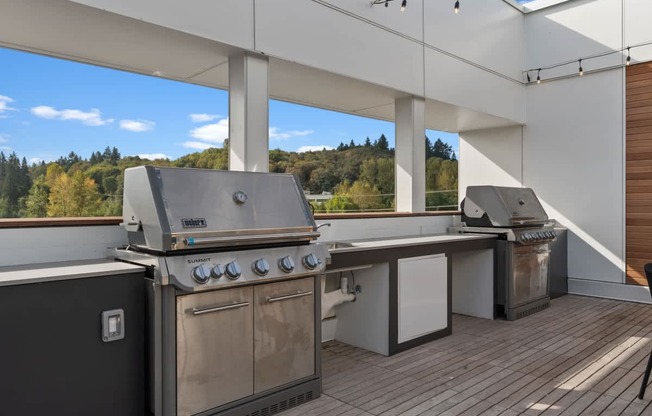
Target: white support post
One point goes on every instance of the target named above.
(249, 113)
(410, 159)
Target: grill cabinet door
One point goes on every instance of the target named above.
(214, 349)
(284, 333)
(530, 267)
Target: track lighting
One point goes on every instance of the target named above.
(629, 58)
(386, 3)
(539, 76)
(456, 9)
(581, 69)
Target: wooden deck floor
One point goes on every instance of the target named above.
(582, 356)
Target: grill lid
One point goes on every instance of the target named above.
(498, 206)
(167, 209)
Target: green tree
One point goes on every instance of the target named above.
(442, 150)
(36, 202)
(379, 173)
(365, 196)
(73, 196)
(382, 143)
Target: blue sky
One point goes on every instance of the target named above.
(49, 107)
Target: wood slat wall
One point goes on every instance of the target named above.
(638, 171)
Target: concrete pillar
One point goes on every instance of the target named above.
(249, 113)
(410, 154)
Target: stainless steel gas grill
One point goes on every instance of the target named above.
(233, 304)
(522, 254)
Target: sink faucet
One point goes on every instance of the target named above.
(326, 224)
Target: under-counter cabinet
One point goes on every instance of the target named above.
(214, 334)
(56, 355)
(422, 296)
(404, 288)
(234, 343)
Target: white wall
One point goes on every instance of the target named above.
(50, 244)
(231, 21)
(490, 157)
(573, 141)
(573, 159)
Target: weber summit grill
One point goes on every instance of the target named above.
(523, 254)
(233, 300)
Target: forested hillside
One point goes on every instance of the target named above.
(359, 176)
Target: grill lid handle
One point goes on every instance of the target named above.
(134, 226)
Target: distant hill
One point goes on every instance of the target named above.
(359, 176)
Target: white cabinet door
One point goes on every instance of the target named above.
(422, 296)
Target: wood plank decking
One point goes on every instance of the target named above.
(582, 356)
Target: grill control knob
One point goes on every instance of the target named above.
(233, 270)
(286, 264)
(311, 261)
(260, 267)
(217, 272)
(201, 273)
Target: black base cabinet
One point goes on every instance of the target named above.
(52, 357)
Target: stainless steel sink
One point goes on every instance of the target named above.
(332, 245)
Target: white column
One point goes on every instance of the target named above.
(410, 161)
(248, 113)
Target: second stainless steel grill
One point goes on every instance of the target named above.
(522, 253)
(233, 300)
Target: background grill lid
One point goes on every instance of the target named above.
(497, 206)
(168, 209)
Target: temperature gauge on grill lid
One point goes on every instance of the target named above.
(201, 274)
(233, 270)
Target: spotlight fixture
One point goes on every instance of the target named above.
(581, 69)
(629, 58)
(528, 77)
(539, 76)
(386, 3)
(456, 9)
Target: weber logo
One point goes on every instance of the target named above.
(193, 222)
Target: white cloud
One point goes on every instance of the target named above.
(214, 133)
(5, 148)
(137, 126)
(202, 118)
(4, 104)
(35, 160)
(197, 145)
(153, 156)
(89, 118)
(304, 149)
(3, 138)
(276, 134)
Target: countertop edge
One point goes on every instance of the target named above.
(57, 271)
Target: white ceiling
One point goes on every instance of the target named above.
(72, 31)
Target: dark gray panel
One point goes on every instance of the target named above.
(52, 357)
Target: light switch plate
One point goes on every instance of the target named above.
(113, 325)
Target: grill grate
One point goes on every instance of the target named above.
(282, 405)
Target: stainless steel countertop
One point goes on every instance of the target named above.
(345, 246)
(50, 272)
